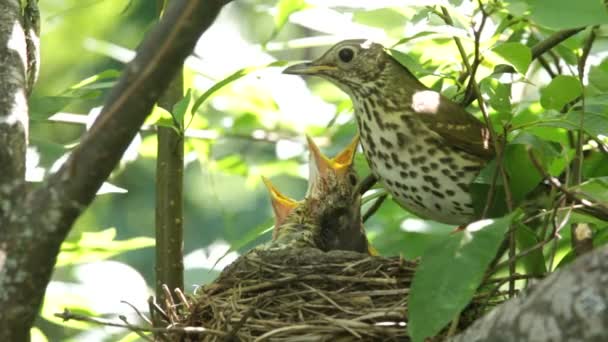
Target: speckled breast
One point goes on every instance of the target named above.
(422, 173)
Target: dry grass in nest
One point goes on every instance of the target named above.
(306, 295)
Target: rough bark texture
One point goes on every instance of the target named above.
(13, 102)
(34, 224)
(570, 305)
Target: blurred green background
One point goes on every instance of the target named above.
(251, 127)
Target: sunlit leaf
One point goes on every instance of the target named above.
(565, 14)
(233, 77)
(284, 9)
(36, 335)
(104, 75)
(515, 54)
(95, 246)
(162, 117)
(499, 94)
(181, 108)
(560, 91)
(449, 273)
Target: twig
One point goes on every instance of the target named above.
(472, 90)
(232, 334)
(154, 307)
(553, 40)
(375, 206)
(543, 46)
(587, 204)
(365, 185)
(581, 237)
(182, 297)
(515, 276)
(498, 148)
(448, 20)
(67, 315)
(169, 303)
(511, 261)
(142, 316)
(543, 62)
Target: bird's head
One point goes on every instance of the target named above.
(347, 64)
(332, 207)
(334, 203)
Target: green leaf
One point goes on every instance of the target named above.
(596, 189)
(598, 76)
(233, 77)
(161, 117)
(565, 14)
(104, 75)
(515, 54)
(95, 246)
(480, 187)
(499, 94)
(246, 123)
(232, 164)
(181, 108)
(534, 262)
(412, 37)
(408, 62)
(515, 160)
(41, 108)
(560, 91)
(449, 273)
(420, 235)
(380, 17)
(593, 124)
(284, 9)
(517, 8)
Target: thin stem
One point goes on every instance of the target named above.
(375, 206)
(67, 315)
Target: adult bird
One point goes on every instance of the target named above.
(425, 148)
(329, 217)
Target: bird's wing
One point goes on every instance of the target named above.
(453, 123)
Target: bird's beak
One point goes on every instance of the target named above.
(281, 205)
(308, 69)
(321, 166)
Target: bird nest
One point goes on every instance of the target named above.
(307, 295)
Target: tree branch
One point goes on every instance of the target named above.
(13, 102)
(169, 218)
(38, 225)
(581, 313)
(543, 46)
(537, 50)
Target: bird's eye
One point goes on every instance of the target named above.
(346, 55)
